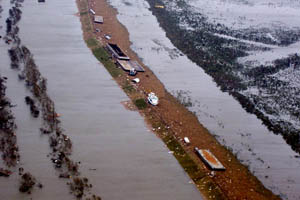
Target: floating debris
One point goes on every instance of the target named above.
(92, 11)
(27, 183)
(59, 142)
(159, 6)
(33, 108)
(5, 172)
(8, 138)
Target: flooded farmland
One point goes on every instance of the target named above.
(115, 150)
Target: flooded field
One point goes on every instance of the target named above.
(267, 155)
(117, 152)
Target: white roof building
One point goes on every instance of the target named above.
(98, 19)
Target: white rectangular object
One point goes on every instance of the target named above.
(209, 159)
(98, 19)
(92, 11)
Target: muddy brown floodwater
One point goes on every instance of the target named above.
(118, 153)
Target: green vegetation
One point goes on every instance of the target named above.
(140, 103)
(104, 58)
(128, 88)
(213, 191)
(91, 42)
(83, 13)
(183, 158)
(204, 182)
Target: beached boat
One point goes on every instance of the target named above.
(186, 140)
(152, 99)
(136, 80)
(209, 159)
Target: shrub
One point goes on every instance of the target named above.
(140, 104)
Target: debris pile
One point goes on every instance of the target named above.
(27, 183)
(8, 138)
(60, 143)
(33, 108)
(5, 172)
(78, 185)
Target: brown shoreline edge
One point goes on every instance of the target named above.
(170, 120)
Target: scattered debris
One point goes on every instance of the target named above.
(132, 72)
(78, 185)
(33, 108)
(64, 175)
(8, 138)
(5, 172)
(92, 11)
(21, 76)
(108, 37)
(60, 143)
(27, 183)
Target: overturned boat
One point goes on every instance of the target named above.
(209, 159)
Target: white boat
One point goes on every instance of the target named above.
(186, 140)
(152, 99)
(136, 80)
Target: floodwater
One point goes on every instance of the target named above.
(267, 57)
(266, 154)
(120, 156)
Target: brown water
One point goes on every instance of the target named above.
(119, 155)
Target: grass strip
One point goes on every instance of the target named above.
(101, 54)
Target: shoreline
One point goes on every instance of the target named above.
(171, 121)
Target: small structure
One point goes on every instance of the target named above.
(117, 52)
(98, 19)
(136, 66)
(132, 72)
(92, 11)
(130, 65)
(41, 1)
(209, 159)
